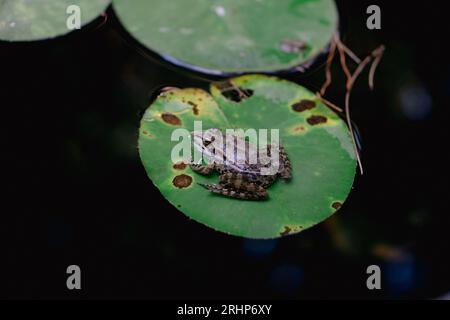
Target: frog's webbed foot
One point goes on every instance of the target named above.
(203, 169)
(230, 191)
(285, 171)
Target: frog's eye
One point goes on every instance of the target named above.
(207, 142)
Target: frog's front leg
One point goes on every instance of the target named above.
(285, 170)
(203, 169)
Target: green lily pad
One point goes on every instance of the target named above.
(317, 141)
(27, 20)
(230, 36)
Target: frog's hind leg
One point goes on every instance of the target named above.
(285, 170)
(230, 191)
(242, 183)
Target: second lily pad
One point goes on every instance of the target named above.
(230, 36)
(317, 141)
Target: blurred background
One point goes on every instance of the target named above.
(75, 191)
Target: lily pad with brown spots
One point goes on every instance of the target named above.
(317, 141)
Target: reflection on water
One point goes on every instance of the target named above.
(415, 102)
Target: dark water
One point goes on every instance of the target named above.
(76, 192)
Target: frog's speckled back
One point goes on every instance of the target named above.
(244, 157)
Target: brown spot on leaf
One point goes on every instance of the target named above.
(293, 46)
(315, 120)
(336, 205)
(171, 119)
(148, 134)
(299, 129)
(182, 181)
(286, 231)
(180, 166)
(194, 107)
(303, 105)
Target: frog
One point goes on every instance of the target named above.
(242, 178)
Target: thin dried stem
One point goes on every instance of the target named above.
(233, 87)
(375, 56)
(241, 93)
(350, 126)
(330, 58)
(329, 103)
(347, 108)
(358, 71)
(378, 54)
(344, 66)
(349, 85)
(351, 54)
